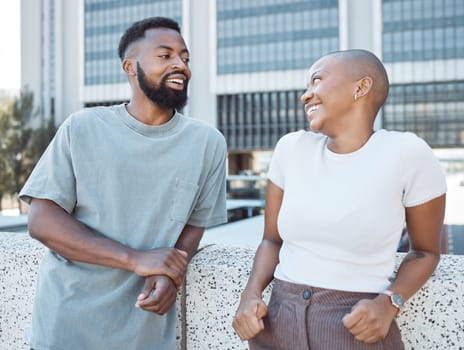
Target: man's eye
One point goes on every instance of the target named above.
(164, 56)
(186, 59)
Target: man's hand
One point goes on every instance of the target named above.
(171, 262)
(248, 320)
(158, 294)
(370, 320)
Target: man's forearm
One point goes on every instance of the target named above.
(189, 239)
(70, 238)
(62, 233)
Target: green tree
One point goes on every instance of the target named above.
(26, 139)
(6, 173)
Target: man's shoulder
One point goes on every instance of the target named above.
(202, 127)
(199, 123)
(90, 112)
(89, 116)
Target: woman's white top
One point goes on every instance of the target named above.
(342, 214)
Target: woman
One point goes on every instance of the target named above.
(337, 200)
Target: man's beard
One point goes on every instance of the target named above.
(161, 95)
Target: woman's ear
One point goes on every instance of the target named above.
(363, 87)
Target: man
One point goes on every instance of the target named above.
(121, 198)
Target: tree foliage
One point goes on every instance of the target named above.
(6, 173)
(24, 138)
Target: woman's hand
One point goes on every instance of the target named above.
(370, 320)
(248, 320)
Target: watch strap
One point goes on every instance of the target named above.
(388, 292)
(394, 299)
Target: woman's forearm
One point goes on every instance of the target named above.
(265, 262)
(424, 223)
(414, 271)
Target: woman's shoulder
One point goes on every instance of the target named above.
(301, 136)
(403, 137)
(405, 142)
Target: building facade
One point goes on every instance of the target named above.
(423, 47)
(250, 60)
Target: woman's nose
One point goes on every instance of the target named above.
(306, 95)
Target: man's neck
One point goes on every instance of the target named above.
(149, 113)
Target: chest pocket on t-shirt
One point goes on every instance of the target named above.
(183, 200)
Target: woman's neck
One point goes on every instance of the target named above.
(349, 142)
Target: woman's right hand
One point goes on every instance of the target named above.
(248, 320)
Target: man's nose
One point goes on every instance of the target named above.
(178, 62)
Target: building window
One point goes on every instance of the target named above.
(105, 22)
(287, 34)
(104, 103)
(434, 111)
(418, 30)
(256, 121)
(429, 34)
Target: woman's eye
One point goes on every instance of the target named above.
(316, 79)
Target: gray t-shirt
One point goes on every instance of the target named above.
(138, 185)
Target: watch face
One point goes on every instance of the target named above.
(397, 300)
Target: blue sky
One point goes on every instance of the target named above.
(10, 62)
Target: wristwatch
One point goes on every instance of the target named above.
(395, 299)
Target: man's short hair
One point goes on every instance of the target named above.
(137, 31)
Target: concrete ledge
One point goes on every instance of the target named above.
(19, 258)
(432, 319)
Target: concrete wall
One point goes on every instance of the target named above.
(432, 319)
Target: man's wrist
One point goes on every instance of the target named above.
(130, 259)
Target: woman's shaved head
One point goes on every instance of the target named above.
(362, 63)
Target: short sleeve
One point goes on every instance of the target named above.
(277, 166)
(53, 176)
(210, 208)
(424, 177)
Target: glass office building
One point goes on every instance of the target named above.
(104, 23)
(250, 60)
(425, 40)
(255, 36)
(268, 36)
(422, 44)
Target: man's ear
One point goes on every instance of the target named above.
(363, 86)
(129, 67)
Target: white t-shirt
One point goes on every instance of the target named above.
(342, 214)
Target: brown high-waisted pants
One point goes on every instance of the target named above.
(306, 318)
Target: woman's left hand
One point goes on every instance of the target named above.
(370, 320)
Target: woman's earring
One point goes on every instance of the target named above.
(355, 96)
